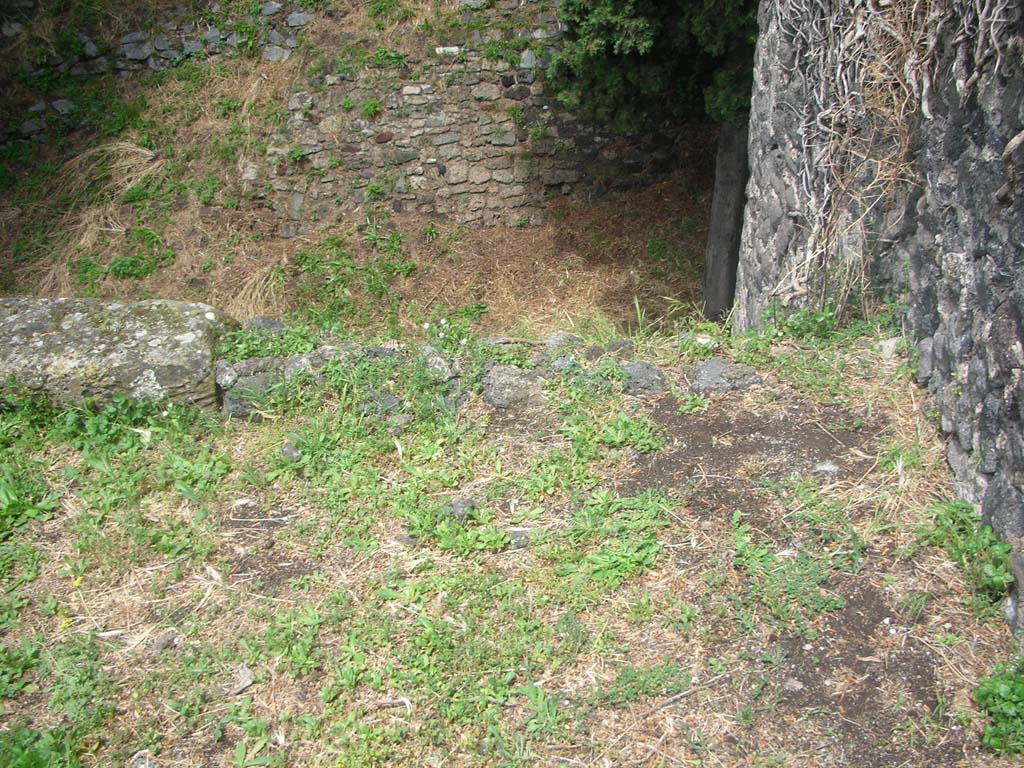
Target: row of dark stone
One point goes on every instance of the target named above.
(176, 41)
(243, 386)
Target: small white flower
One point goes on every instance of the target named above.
(444, 321)
(426, 326)
(440, 335)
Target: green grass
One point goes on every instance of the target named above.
(1001, 697)
(337, 288)
(974, 547)
(378, 626)
(632, 684)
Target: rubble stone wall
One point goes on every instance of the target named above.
(950, 248)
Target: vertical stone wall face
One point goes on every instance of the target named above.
(952, 245)
(457, 133)
(774, 226)
(966, 265)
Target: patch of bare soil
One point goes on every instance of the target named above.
(864, 674)
(727, 454)
(251, 534)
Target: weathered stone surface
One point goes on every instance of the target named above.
(244, 385)
(143, 759)
(267, 325)
(275, 53)
(486, 92)
(137, 51)
(300, 19)
(507, 385)
(720, 375)
(518, 538)
(518, 92)
(437, 364)
(620, 347)
(31, 127)
(89, 49)
(73, 349)
(643, 379)
(564, 364)
(462, 508)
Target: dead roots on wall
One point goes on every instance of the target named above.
(869, 69)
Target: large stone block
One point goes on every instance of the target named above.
(74, 349)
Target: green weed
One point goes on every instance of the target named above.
(24, 494)
(610, 539)
(228, 105)
(78, 687)
(25, 747)
(385, 58)
(15, 663)
(505, 50)
(1001, 697)
(632, 684)
(151, 256)
(789, 587)
(812, 325)
(638, 432)
(691, 403)
(243, 343)
(545, 715)
(973, 546)
(555, 472)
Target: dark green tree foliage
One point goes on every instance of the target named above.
(623, 61)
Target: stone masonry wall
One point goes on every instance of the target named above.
(953, 246)
(965, 256)
(457, 132)
(177, 35)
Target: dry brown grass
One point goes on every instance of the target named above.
(122, 164)
(110, 169)
(587, 261)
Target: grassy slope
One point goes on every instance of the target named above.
(143, 196)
